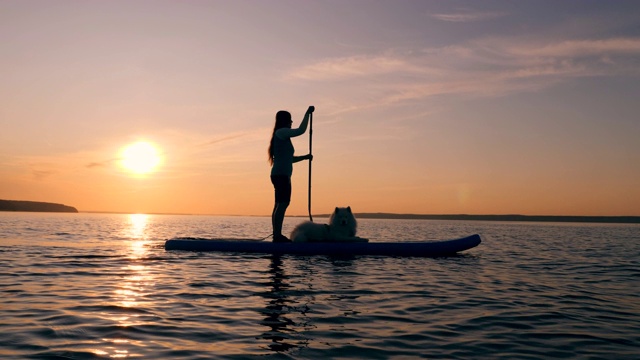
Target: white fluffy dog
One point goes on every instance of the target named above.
(341, 228)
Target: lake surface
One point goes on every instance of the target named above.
(93, 286)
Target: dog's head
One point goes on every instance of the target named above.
(343, 217)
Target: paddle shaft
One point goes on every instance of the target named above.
(310, 161)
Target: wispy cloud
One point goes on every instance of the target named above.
(41, 175)
(572, 48)
(100, 164)
(224, 139)
(468, 16)
(485, 67)
(350, 67)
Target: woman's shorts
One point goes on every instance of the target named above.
(282, 185)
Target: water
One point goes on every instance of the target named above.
(93, 286)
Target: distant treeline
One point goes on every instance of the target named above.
(538, 218)
(35, 206)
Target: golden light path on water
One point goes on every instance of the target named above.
(130, 290)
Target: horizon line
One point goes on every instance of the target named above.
(626, 219)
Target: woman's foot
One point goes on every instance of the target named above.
(280, 238)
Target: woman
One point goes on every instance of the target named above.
(282, 159)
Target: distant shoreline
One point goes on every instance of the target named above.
(35, 206)
(510, 217)
(454, 217)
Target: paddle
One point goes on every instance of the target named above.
(310, 148)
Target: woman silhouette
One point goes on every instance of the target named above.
(281, 158)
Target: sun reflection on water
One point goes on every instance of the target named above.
(138, 224)
(130, 297)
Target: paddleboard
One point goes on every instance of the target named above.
(407, 248)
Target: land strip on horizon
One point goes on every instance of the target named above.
(34, 206)
(509, 217)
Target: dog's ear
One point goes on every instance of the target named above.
(349, 208)
(336, 210)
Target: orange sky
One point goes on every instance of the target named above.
(422, 106)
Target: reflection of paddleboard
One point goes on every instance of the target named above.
(425, 248)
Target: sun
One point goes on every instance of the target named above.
(140, 158)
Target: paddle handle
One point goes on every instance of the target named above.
(310, 161)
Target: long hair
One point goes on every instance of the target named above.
(283, 120)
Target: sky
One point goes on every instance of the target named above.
(423, 107)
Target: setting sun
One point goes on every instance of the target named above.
(140, 158)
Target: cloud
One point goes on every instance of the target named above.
(42, 174)
(350, 67)
(484, 67)
(224, 139)
(468, 16)
(100, 164)
(576, 48)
